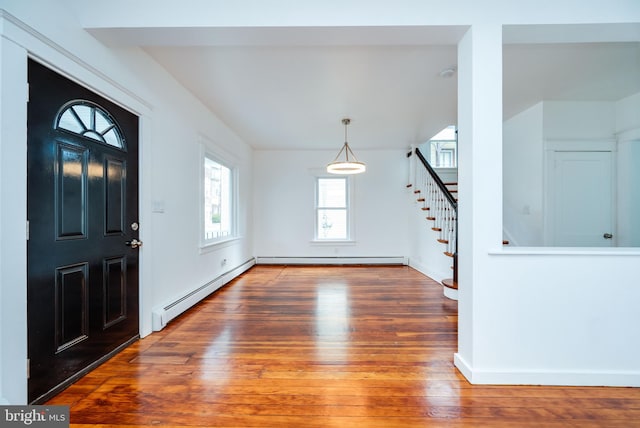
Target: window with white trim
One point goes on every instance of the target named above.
(443, 148)
(218, 201)
(332, 209)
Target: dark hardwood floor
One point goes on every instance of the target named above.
(322, 347)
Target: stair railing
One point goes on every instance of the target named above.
(440, 204)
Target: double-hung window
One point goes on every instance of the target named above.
(218, 201)
(332, 209)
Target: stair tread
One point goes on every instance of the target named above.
(450, 283)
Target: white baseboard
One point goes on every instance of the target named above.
(162, 314)
(393, 260)
(552, 378)
(463, 367)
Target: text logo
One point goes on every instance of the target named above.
(34, 416)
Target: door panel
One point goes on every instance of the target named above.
(583, 201)
(115, 291)
(114, 196)
(71, 305)
(70, 195)
(82, 291)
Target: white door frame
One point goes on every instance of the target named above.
(551, 146)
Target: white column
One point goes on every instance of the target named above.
(13, 216)
(479, 178)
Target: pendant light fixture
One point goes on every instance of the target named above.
(349, 164)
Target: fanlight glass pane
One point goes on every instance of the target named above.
(102, 122)
(112, 138)
(84, 112)
(70, 122)
(89, 120)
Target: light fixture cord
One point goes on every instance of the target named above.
(345, 141)
(346, 149)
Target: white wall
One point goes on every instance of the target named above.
(628, 160)
(627, 112)
(579, 120)
(172, 123)
(628, 230)
(284, 205)
(561, 317)
(522, 180)
(524, 143)
(13, 214)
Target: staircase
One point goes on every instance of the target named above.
(438, 200)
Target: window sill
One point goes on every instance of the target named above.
(212, 246)
(565, 251)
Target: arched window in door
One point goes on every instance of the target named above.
(90, 120)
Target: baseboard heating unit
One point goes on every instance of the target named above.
(161, 315)
(386, 260)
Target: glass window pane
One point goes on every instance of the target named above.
(112, 138)
(218, 211)
(332, 224)
(69, 122)
(84, 113)
(332, 192)
(102, 123)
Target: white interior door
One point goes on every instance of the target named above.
(582, 199)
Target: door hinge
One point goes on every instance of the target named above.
(27, 91)
(27, 230)
(28, 368)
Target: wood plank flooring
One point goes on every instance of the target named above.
(322, 347)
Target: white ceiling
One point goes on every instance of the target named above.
(289, 88)
(287, 97)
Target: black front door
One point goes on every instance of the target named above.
(82, 195)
